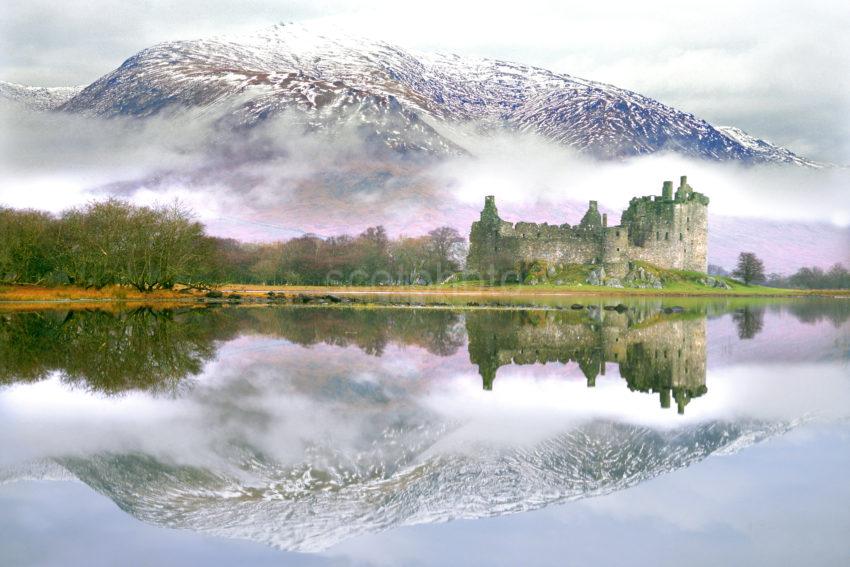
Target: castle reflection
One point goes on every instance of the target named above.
(154, 350)
(658, 353)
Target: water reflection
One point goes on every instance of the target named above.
(303, 426)
(659, 353)
(108, 351)
(153, 350)
(750, 321)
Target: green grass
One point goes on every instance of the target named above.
(675, 282)
(670, 288)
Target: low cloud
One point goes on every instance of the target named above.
(526, 169)
(276, 181)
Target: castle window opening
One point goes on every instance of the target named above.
(666, 236)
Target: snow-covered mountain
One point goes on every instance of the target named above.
(771, 152)
(407, 100)
(375, 109)
(37, 98)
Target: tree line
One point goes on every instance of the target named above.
(114, 242)
(117, 243)
(750, 269)
(836, 277)
(370, 258)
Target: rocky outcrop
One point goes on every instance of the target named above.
(642, 278)
(711, 281)
(637, 277)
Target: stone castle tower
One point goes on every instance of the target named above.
(669, 231)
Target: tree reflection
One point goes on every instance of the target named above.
(110, 352)
(439, 332)
(750, 322)
(153, 350)
(816, 309)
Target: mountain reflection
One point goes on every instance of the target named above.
(355, 421)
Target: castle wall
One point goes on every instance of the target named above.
(616, 251)
(669, 234)
(667, 231)
(554, 244)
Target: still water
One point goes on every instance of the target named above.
(304, 435)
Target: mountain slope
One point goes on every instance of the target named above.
(37, 98)
(771, 152)
(327, 78)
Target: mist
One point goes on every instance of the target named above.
(285, 177)
(288, 400)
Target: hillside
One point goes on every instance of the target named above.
(37, 98)
(404, 99)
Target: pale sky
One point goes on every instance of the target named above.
(777, 69)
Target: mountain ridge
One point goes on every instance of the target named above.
(38, 98)
(388, 90)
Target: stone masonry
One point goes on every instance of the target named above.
(668, 231)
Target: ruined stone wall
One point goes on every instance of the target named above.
(489, 252)
(669, 231)
(616, 251)
(669, 234)
(554, 244)
(494, 242)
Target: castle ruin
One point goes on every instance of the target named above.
(669, 231)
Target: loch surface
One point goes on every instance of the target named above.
(644, 431)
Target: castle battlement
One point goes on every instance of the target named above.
(669, 230)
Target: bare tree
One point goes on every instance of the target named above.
(447, 247)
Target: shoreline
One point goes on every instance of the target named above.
(30, 296)
(544, 292)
